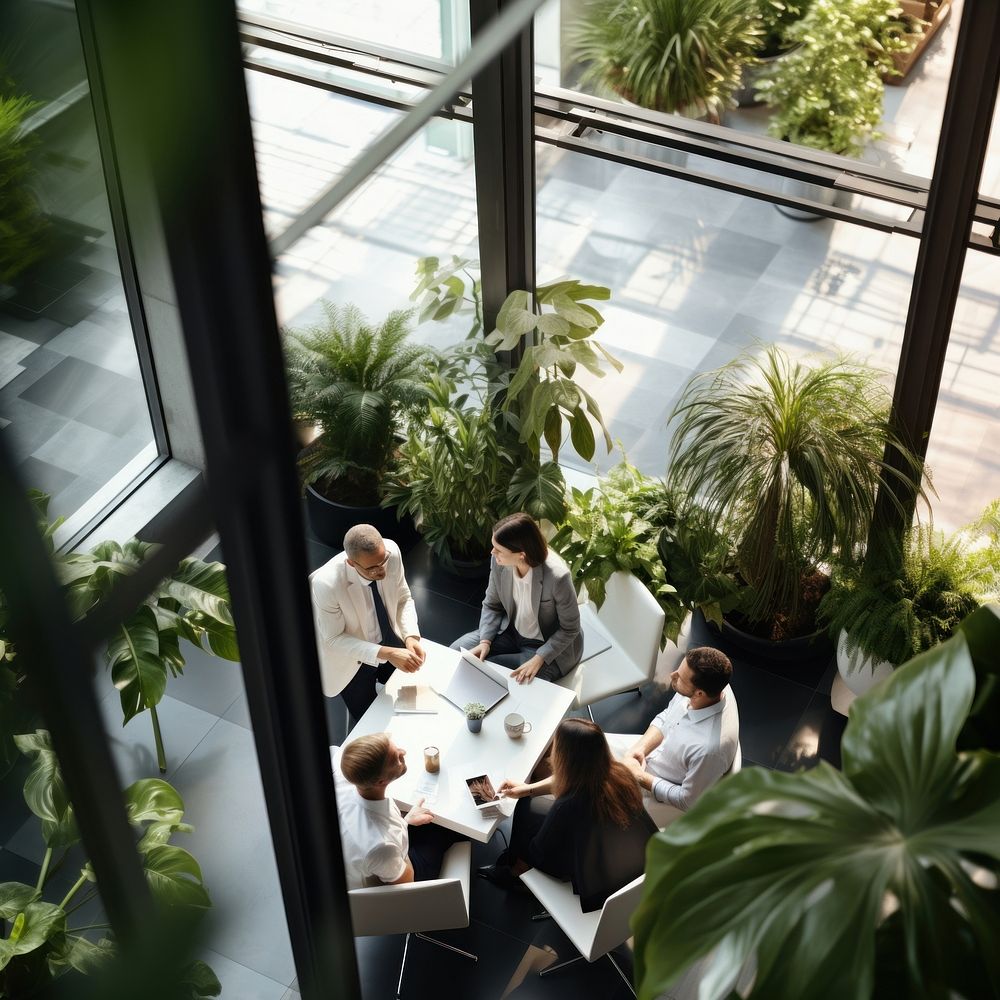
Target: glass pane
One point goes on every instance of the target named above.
(72, 401)
(962, 451)
(697, 275)
(438, 29)
(421, 203)
(907, 116)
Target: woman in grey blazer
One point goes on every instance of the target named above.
(530, 618)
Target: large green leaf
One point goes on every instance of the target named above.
(45, 792)
(137, 668)
(200, 981)
(14, 898)
(202, 587)
(153, 800)
(797, 870)
(80, 954)
(175, 877)
(30, 930)
(540, 490)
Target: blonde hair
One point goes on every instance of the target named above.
(363, 761)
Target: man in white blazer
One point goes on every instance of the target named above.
(366, 621)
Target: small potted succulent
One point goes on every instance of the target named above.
(474, 712)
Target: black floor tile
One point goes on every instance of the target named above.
(14, 868)
(424, 570)
(770, 708)
(816, 737)
(442, 619)
(629, 712)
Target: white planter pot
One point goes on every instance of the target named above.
(669, 658)
(856, 674)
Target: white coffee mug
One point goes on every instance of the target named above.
(514, 725)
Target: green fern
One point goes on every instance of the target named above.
(359, 383)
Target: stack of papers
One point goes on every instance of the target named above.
(416, 699)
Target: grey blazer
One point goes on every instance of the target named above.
(555, 607)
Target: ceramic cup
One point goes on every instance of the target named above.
(515, 726)
(432, 760)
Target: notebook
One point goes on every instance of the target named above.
(475, 680)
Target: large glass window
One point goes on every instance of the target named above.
(422, 202)
(72, 402)
(697, 275)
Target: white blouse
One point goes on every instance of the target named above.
(525, 615)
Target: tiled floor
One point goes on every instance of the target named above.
(786, 722)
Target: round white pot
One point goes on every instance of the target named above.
(856, 674)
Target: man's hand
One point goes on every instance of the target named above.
(482, 650)
(402, 659)
(412, 643)
(635, 753)
(643, 778)
(419, 816)
(513, 789)
(526, 671)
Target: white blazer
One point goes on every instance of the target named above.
(341, 608)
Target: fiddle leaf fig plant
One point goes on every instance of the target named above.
(40, 945)
(877, 880)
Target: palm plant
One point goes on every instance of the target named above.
(894, 613)
(359, 383)
(879, 880)
(678, 56)
(790, 456)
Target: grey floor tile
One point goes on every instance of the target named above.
(208, 683)
(73, 385)
(241, 983)
(239, 713)
(220, 783)
(39, 475)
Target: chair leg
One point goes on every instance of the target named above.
(440, 944)
(450, 947)
(590, 712)
(560, 965)
(621, 972)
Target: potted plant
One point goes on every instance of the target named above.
(613, 527)
(828, 93)
(677, 56)
(788, 457)
(878, 880)
(881, 617)
(474, 712)
(922, 20)
(776, 16)
(360, 383)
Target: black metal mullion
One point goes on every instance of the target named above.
(951, 207)
(175, 76)
(503, 135)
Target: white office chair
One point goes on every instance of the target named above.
(593, 934)
(435, 905)
(633, 621)
(662, 813)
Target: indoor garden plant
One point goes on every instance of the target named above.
(678, 56)
(878, 880)
(776, 16)
(37, 943)
(892, 609)
(788, 458)
(359, 382)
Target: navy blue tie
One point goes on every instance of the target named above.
(389, 637)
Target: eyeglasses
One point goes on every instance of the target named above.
(371, 569)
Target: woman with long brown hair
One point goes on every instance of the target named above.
(585, 823)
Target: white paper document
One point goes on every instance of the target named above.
(416, 699)
(476, 680)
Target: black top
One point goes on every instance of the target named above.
(598, 857)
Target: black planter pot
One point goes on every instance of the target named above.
(805, 648)
(330, 521)
(467, 569)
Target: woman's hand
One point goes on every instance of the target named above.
(526, 671)
(482, 650)
(514, 789)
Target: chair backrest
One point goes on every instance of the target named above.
(633, 618)
(613, 927)
(737, 764)
(434, 905)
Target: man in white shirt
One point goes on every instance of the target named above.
(381, 846)
(692, 742)
(366, 620)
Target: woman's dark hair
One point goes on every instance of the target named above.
(582, 765)
(519, 533)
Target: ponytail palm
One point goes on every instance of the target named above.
(669, 55)
(358, 382)
(791, 456)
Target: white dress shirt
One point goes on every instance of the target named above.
(372, 631)
(373, 832)
(525, 615)
(698, 747)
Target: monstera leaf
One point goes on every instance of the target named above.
(137, 668)
(827, 880)
(45, 791)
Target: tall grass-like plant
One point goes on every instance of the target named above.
(359, 382)
(789, 455)
(678, 56)
(895, 614)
